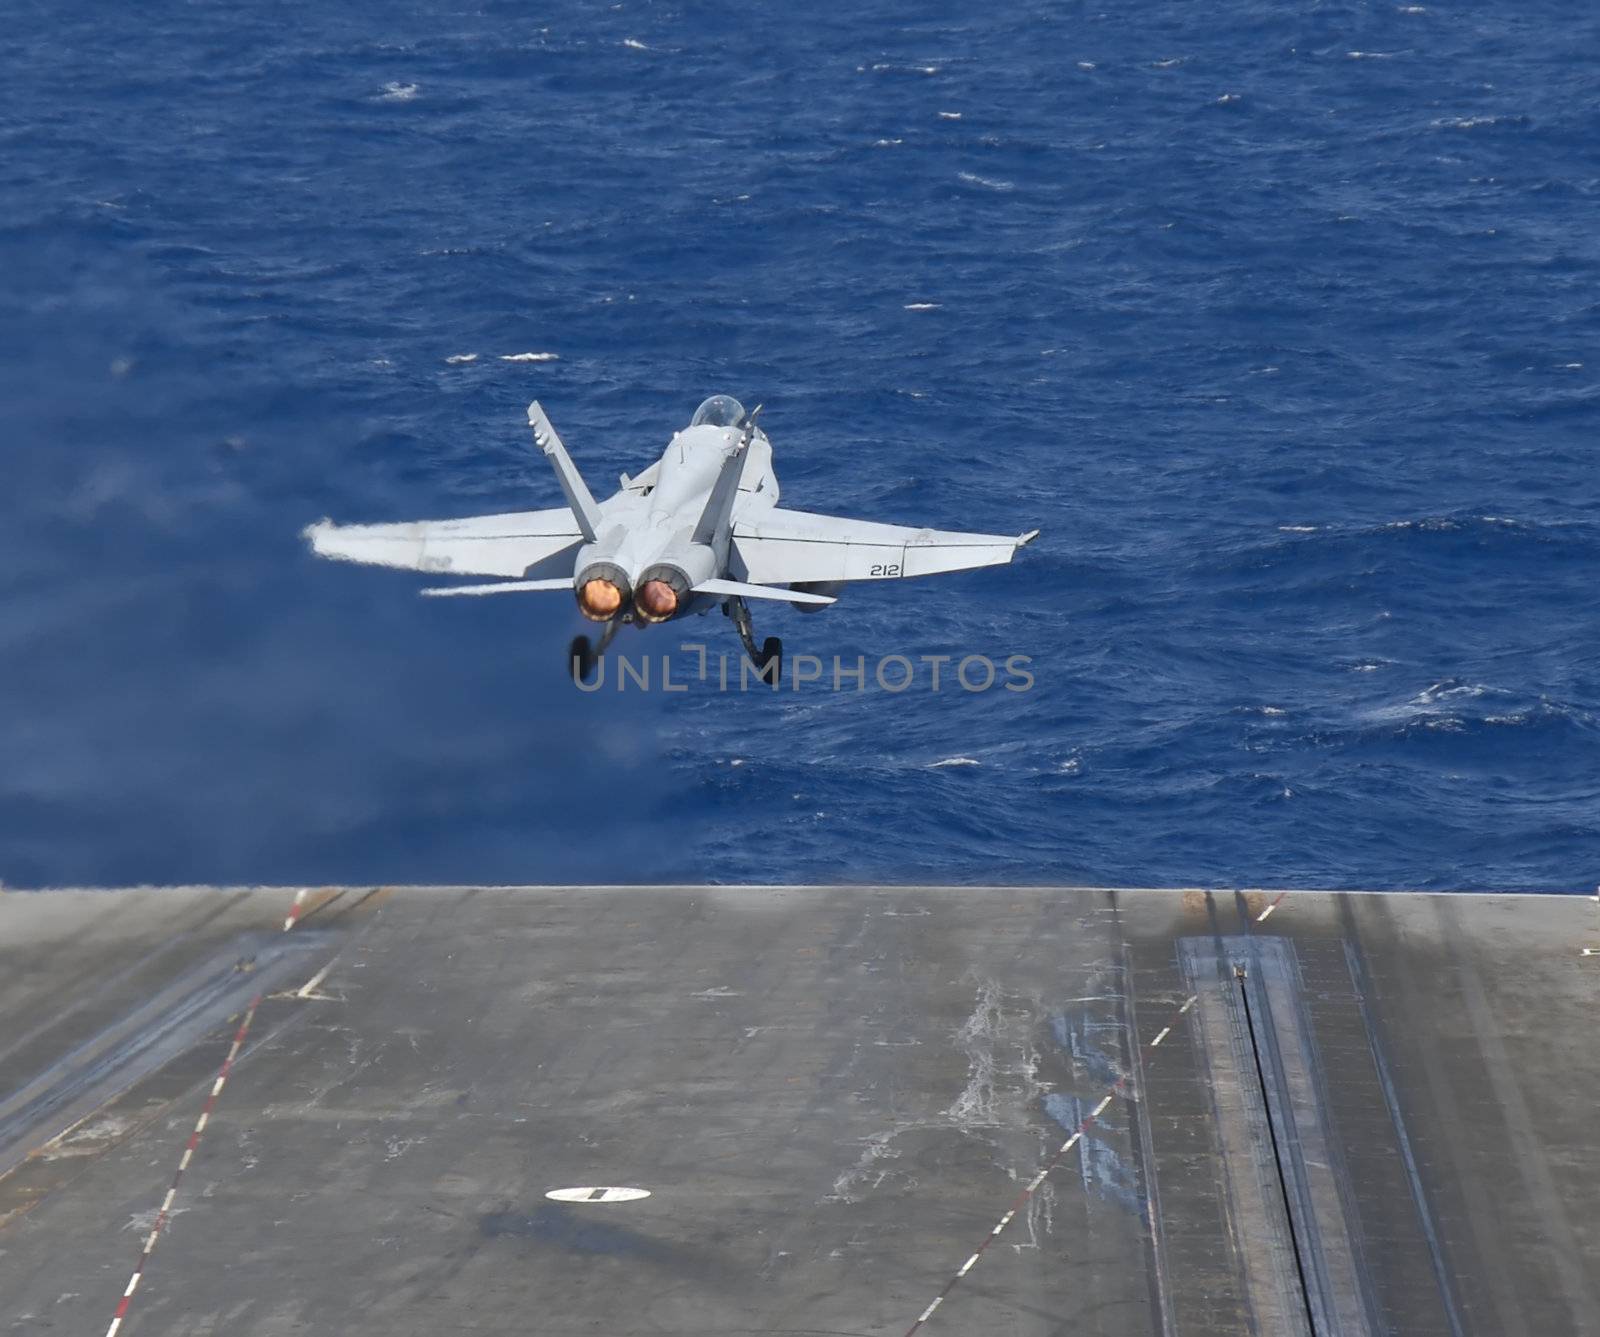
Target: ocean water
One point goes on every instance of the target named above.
(1279, 320)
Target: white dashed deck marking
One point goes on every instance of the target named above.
(1038, 1179)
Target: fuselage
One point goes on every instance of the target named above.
(650, 548)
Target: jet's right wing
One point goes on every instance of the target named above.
(485, 545)
(778, 547)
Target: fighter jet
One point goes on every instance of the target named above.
(698, 529)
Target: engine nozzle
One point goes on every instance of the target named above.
(662, 592)
(657, 600)
(602, 591)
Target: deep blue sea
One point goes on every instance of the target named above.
(1281, 320)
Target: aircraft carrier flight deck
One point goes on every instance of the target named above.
(799, 1111)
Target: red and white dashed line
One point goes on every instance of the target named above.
(164, 1212)
(1038, 1179)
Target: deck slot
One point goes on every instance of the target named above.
(1297, 1244)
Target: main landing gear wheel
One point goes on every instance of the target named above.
(581, 659)
(582, 656)
(771, 654)
(771, 651)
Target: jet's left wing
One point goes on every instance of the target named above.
(778, 547)
(485, 545)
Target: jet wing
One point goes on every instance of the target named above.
(778, 547)
(485, 545)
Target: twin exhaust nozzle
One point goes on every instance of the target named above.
(604, 591)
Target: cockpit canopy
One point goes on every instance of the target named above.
(718, 411)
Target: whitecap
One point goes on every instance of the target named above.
(956, 761)
(1226, 98)
(1447, 690)
(633, 43)
(923, 306)
(398, 92)
(1087, 65)
(456, 359)
(1371, 55)
(530, 357)
(1298, 529)
(1168, 64)
(949, 115)
(1273, 710)
(972, 179)
(886, 143)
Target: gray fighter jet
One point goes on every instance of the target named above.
(701, 527)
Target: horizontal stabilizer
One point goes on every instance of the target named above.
(744, 591)
(500, 587)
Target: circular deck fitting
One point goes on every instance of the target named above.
(598, 1194)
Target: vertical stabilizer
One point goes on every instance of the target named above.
(584, 510)
(713, 526)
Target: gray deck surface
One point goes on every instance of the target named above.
(1379, 1115)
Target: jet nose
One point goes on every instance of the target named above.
(657, 600)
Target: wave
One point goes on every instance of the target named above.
(988, 183)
